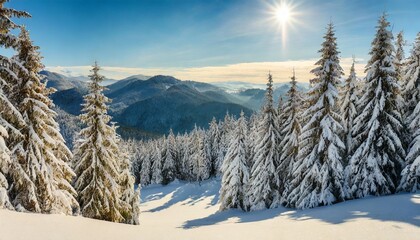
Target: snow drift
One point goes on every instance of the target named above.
(190, 211)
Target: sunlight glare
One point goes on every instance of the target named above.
(283, 14)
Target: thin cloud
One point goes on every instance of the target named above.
(254, 72)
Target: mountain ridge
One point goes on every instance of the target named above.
(156, 104)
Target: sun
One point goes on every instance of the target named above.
(282, 14)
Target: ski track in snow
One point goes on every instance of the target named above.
(190, 211)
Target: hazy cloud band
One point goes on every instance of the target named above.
(254, 72)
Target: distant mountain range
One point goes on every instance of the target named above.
(144, 106)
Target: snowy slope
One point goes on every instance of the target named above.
(189, 211)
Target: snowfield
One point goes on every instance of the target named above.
(190, 211)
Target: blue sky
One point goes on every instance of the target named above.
(175, 35)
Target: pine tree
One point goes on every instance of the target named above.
(96, 157)
(235, 171)
(4, 166)
(318, 173)
(264, 183)
(10, 118)
(400, 68)
(290, 142)
(187, 166)
(280, 106)
(200, 164)
(281, 118)
(411, 79)
(225, 136)
(213, 146)
(137, 158)
(41, 154)
(9, 67)
(156, 165)
(399, 57)
(145, 172)
(349, 107)
(254, 120)
(379, 152)
(175, 149)
(168, 171)
(130, 197)
(410, 176)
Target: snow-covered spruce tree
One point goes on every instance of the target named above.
(235, 171)
(4, 165)
(10, 119)
(400, 67)
(187, 153)
(264, 183)
(410, 176)
(318, 173)
(200, 163)
(168, 171)
(290, 142)
(411, 79)
(130, 197)
(8, 40)
(399, 57)
(213, 146)
(349, 108)
(145, 171)
(6, 108)
(254, 120)
(175, 148)
(137, 157)
(156, 164)
(375, 165)
(281, 118)
(225, 130)
(96, 161)
(280, 105)
(41, 156)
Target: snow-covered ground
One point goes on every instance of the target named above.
(189, 211)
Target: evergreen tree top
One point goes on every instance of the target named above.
(29, 54)
(382, 47)
(351, 79)
(95, 77)
(293, 86)
(269, 94)
(327, 73)
(95, 102)
(7, 13)
(416, 46)
(6, 24)
(329, 63)
(400, 47)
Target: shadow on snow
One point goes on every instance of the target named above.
(403, 208)
(185, 193)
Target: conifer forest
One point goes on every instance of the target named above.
(336, 144)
